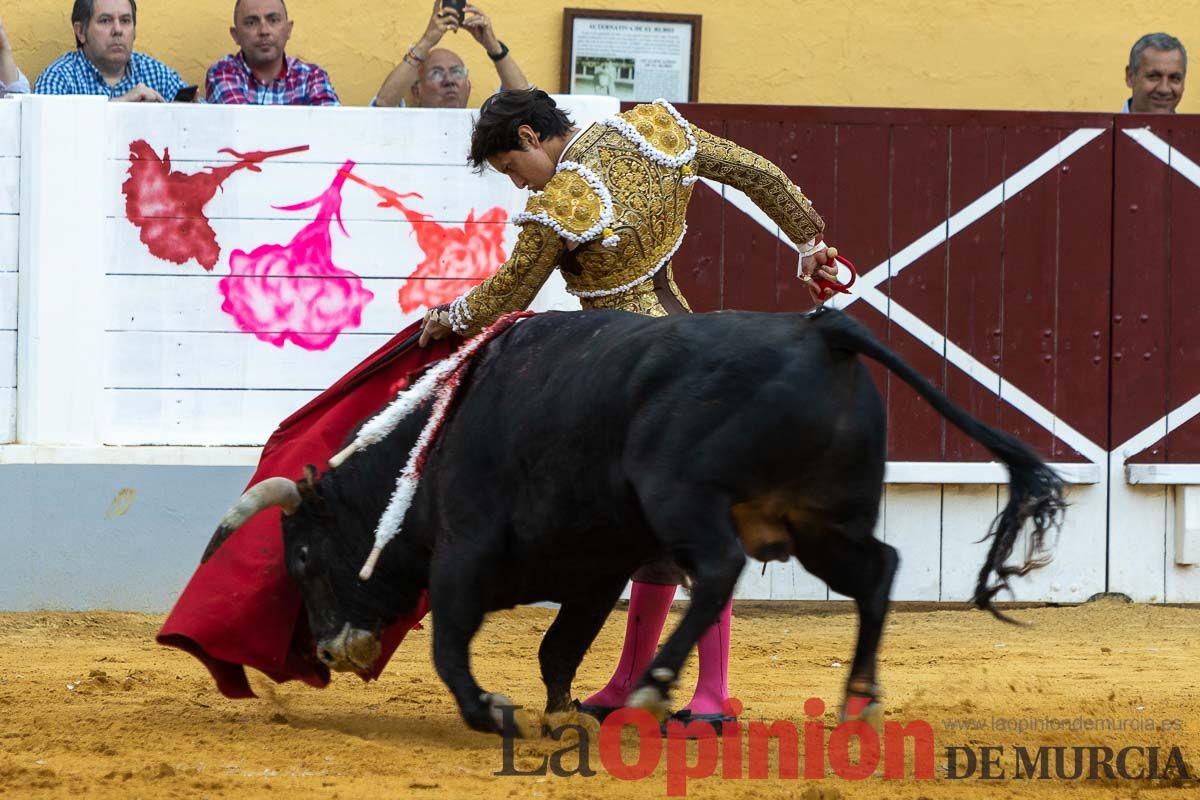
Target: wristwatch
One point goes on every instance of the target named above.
(501, 55)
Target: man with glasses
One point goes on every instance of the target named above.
(438, 77)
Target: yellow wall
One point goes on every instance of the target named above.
(1009, 54)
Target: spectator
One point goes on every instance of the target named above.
(262, 73)
(104, 62)
(12, 80)
(1157, 68)
(437, 76)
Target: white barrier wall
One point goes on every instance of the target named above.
(176, 280)
(10, 208)
(196, 294)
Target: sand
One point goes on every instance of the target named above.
(91, 706)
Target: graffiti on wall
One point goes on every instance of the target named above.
(458, 258)
(294, 292)
(167, 206)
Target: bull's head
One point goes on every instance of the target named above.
(324, 546)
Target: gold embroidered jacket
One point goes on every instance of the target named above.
(613, 215)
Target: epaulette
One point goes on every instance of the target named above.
(659, 131)
(575, 204)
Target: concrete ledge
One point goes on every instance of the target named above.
(134, 456)
(1163, 474)
(989, 472)
(898, 472)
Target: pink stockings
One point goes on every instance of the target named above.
(648, 607)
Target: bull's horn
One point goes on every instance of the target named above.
(369, 568)
(264, 494)
(342, 455)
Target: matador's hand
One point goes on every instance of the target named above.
(437, 325)
(819, 265)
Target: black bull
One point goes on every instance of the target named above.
(584, 445)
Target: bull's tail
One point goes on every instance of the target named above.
(1035, 490)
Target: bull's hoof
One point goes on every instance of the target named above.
(863, 709)
(652, 699)
(490, 717)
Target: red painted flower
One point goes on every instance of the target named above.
(167, 207)
(458, 258)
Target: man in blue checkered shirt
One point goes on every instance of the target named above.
(104, 62)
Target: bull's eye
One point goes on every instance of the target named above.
(302, 555)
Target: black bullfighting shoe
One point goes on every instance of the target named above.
(685, 716)
(599, 713)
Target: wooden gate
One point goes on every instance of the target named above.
(1042, 269)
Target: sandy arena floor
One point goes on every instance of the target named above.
(90, 706)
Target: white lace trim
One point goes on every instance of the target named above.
(650, 151)
(606, 208)
(630, 284)
(460, 315)
(440, 382)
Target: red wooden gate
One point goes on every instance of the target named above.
(993, 233)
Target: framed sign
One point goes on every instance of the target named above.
(632, 55)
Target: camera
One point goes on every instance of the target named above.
(457, 7)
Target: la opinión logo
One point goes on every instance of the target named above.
(742, 750)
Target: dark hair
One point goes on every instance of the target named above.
(1159, 41)
(505, 112)
(82, 12)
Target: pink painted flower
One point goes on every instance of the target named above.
(294, 292)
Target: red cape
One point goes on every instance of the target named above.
(240, 609)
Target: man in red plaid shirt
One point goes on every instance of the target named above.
(262, 73)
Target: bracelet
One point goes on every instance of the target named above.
(501, 55)
(413, 55)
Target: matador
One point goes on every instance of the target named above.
(609, 210)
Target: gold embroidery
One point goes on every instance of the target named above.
(658, 127)
(763, 182)
(570, 201)
(515, 284)
(649, 208)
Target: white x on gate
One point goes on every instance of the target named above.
(867, 290)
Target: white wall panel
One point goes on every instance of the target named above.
(412, 136)
(912, 525)
(447, 192)
(193, 303)
(967, 511)
(8, 415)
(9, 242)
(386, 248)
(196, 418)
(8, 304)
(10, 185)
(203, 360)
(8, 359)
(10, 126)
